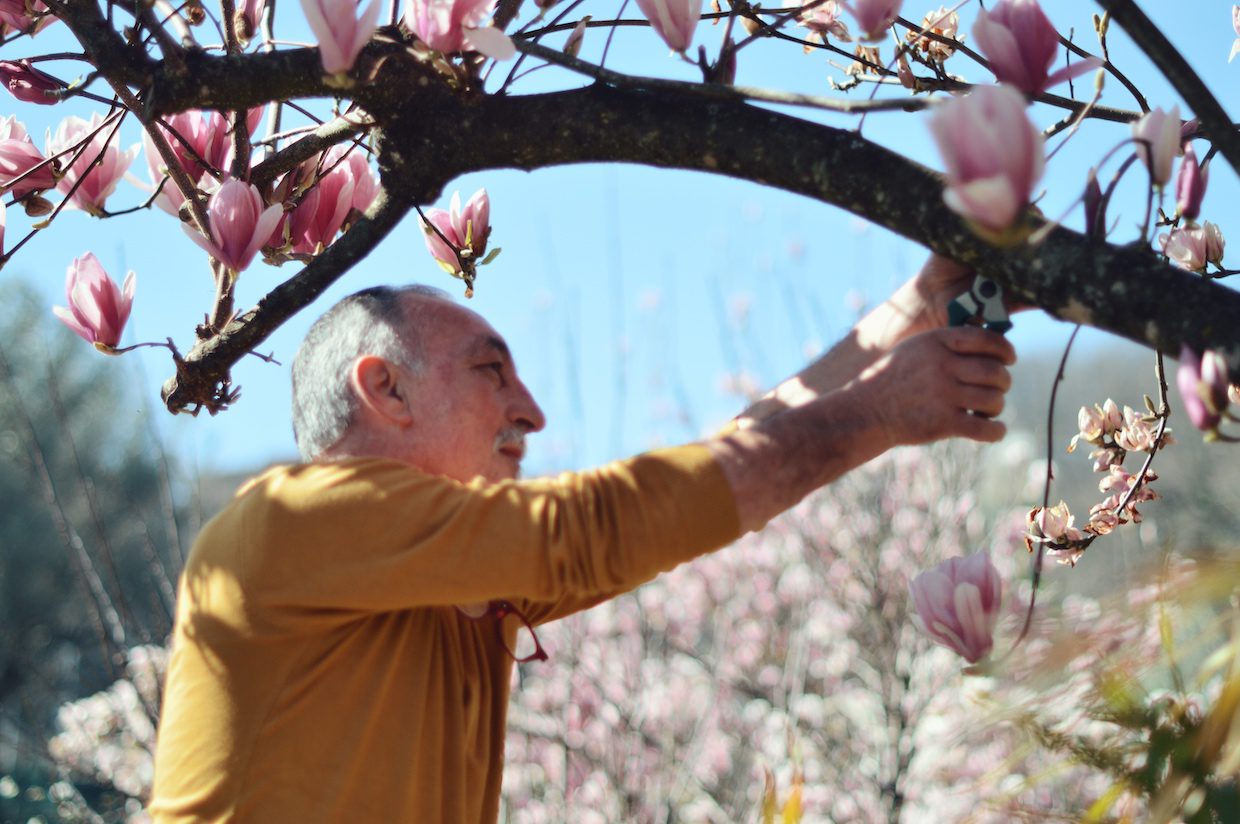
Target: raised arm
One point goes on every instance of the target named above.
(917, 306)
(928, 387)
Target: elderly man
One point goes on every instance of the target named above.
(346, 628)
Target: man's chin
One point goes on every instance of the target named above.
(507, 468)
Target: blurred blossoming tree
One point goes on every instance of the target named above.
(310, 156)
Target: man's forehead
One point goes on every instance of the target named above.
(460, 328)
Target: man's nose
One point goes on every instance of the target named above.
(525, 410)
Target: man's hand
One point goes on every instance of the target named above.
(918, 306)
(938, 384)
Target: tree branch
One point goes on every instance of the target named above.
(1121, 289)
(203, 379)
(1214, 120)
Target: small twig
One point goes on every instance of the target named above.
(1150, 39)
(1036, 578)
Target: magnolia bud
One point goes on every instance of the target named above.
(724, 71)
(572, 46)
(37, 205)
(28, 84)
(1214, 243)
(1095, 216)
(1190, 185)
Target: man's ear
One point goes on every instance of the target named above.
(381, 390)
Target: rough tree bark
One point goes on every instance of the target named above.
(432, 126)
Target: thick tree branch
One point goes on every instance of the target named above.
(432, 127)
(203, 378)
(1214, 120)
(1125, 290)
(321, 139)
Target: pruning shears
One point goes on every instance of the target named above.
(980, 305)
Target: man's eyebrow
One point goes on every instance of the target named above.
(486, 343)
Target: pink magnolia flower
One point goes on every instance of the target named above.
(98, 310)
(340, 32)
(239, 225)
(322, 212)
(673, 20)
(1186, 246)
(1190, 185)
(1053, 524)
(443, 24)
(194, 137)
(957, 604)
(1138, 434)
(1119, 483)
(824, 19)
(466, 230)
(4, 219)
(1021, 44)
(874, 17)
(1235, 24)
(992, 152)
(943, 22)
(1215, 242)
(28, 84)
(98, 179)
(365, 184)
(25, 16)
(1204, 387)
(19, 155)
(1157, 135)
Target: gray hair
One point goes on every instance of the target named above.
(373, 321)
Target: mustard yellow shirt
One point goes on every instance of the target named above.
(320, 670)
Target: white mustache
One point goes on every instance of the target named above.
(510, 437)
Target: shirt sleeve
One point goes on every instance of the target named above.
(372, 534)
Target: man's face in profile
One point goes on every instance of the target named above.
(471, 411)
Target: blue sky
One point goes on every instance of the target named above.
(627, 294)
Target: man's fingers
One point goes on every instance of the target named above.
(988, 402)
(985, 372)
(973, 340)
(978, 428)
